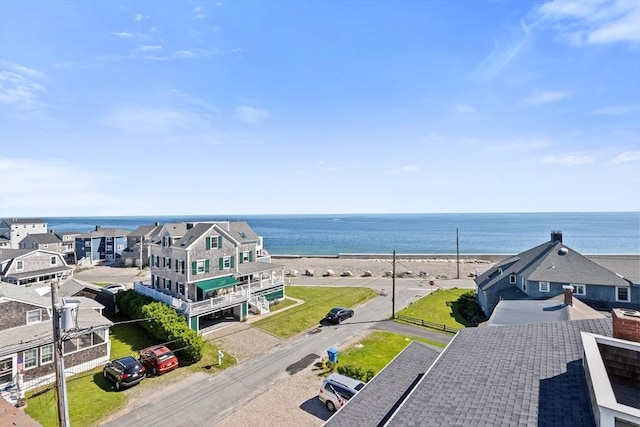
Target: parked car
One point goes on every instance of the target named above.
(158, 359)
(124, 372)
(338, 314)
(337, 389)
(114, 288)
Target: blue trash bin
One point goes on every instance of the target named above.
(333, 355)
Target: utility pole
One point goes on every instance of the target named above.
(457, 256)
(393, 287)
(141, 245)
(61, 385)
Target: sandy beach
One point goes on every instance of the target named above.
(428, 267)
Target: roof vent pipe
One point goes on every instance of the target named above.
(556, 236)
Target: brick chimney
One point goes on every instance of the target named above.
(567, 290)
(556, 236)
(626, 324)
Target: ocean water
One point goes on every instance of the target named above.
(478, 233)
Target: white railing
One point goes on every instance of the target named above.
(223, 300)
(176, 303)
(68, 371)
(262, 284)
(260, 303)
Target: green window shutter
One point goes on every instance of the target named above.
(221, 263)
(233, 261)
(178, 262)
(208, 243)
(169, 262)
(241, 257)
(219, 242)
(206, 265)
(250, 256)
(194, 267)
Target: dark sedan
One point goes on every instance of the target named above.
(124, 372)
(338, 314)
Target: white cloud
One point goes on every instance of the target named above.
(250, 114)
(543, 97)
(410, 168)
(154, 120)
(568, 160)
(123, 34)
(149, 48)
(504, 52)
(20, 86)
(595, 22)
(184, 54)
(627, 156)
(139, 17)
(519, 146)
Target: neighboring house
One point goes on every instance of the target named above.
(102, 244)
(541, 273)
(16, 229)
(564, 373)
(5, 243)
(32, 267)
(138, 240)
(210, 271)
(47, 241)
(68, 244)
(26, 334)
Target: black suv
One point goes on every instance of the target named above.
(338, 314)
(124, 372)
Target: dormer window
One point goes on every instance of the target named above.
(34, 316)
(512, 279)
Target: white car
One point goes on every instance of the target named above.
(337, 389)
(114, 288)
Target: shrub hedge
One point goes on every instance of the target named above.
(163, 323)
(356, 372)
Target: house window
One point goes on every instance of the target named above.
(109, 248)
(54, 260)
(87, 244)
(245, 257)
(19, 265)
(579, 289)
(34, 316)
(200, 266)
(30, 358)
(512, 279)
(226, 262)
(167, 285)
(46, 354)
(181, 288)
(524, 285)
(164, 261)
(544, 286)
(622, 294)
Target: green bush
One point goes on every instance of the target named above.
(164, 323)
(356, 372)
(469, 308)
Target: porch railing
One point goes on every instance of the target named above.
(176, 303)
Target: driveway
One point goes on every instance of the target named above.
(210, 399)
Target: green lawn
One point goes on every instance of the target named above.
(91, 397)
(378, 349)
(318, 301)
(438, 307)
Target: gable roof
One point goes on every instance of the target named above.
(376, 401)
(8, 254)
(506, 375)
(242, 232)
(551, 262)
(148, 231)
(44, 238)
(23, 294)
(104, 232)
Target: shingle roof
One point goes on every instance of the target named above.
(553, 262)
(242, 232)
(626, 265)
(104, 232)
(375, 402)
(7, 254)
(507, 375)
(526, 311)
(149, 231)
(45, 238)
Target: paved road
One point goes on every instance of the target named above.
(209, 400)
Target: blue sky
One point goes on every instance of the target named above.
(239, 107)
